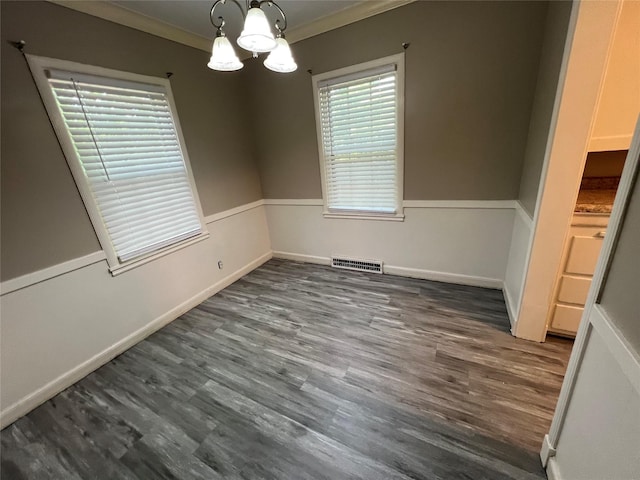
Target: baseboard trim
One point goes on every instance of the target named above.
(48, 273)
(547, 451)
(457, 278)
(33, 400)
(404, 271)
(511, 307)
(553, 472)
(298, 257)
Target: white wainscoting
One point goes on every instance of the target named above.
(600, 434)
(56, 331)
(517, 262)
(60, 324)
(463, 242)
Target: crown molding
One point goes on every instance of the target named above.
(346, 16)
(129, 18)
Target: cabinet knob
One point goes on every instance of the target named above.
(600, 234)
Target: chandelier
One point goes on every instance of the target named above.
(256, 37)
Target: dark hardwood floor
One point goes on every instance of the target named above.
(300, 371)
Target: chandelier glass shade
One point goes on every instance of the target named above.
(223, 58)
(280, 59)
(256, 37)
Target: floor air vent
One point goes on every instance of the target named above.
(374, 266)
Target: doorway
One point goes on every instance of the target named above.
(600, 76)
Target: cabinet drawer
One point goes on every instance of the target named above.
(590, 220)
(583, 255)
(573, 289)
(566, 318)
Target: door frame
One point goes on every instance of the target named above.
(594, 316)
(588, 46)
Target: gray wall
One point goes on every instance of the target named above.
(471, 74)
(557, 24)
(43, 218)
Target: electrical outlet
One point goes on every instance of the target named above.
(220, 264)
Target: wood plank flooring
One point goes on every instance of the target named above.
(301, 371)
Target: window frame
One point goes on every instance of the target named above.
(399, 61)
(38, 65)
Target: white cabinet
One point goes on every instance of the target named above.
(578, 264)
(584, 248)
(573, 289)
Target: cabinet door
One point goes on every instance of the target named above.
(573, 289)
(583, 254)
(566, 318)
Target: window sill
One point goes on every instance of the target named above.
(130, 265)
(396, 217)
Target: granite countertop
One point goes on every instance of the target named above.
(597, 194)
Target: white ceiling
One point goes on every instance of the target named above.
(193, 15)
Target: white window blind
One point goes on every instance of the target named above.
(126, 141)
(359, 134)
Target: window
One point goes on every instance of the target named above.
(121, 138)
(359, 115)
